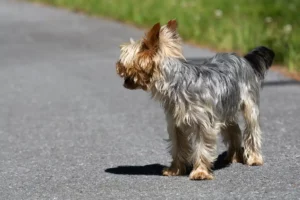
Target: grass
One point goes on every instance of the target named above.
(223, 25)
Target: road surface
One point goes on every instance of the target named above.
(69, 130)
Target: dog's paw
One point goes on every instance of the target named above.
(172, 171)
(253, 159)
(234, 157)
(200, 174)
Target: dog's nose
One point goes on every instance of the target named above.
(127, 80)
(127, 83)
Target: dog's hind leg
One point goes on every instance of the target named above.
(252, 134)
(179, 150)
(232, 137)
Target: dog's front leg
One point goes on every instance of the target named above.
(179, 150)
(204, 153)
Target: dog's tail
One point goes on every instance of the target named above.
(261, 59)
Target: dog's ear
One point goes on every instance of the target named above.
(132, 41)
(172, 25)
(152, 37)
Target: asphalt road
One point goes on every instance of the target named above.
(69, 130)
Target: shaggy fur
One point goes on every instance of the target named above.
(199, 101)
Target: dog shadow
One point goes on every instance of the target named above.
(153, 169)
(156, 169)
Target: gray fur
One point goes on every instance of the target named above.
(203, 100)
(217, 83)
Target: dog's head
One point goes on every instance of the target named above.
(139, 60)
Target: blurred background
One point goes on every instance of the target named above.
(221, 25)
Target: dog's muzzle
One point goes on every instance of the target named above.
(120, 68)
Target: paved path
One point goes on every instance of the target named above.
(68, 129)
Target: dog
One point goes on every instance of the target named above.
(199, 100)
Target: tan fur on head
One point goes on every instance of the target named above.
(139, 60)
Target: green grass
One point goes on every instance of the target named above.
(223, 25)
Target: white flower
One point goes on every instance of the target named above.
(236, 7)
(184, 4)
(218, 13)
(197, 18)
(268, 19)
(287, 28)
(292, 7)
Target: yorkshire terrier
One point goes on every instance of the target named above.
(199, 100)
